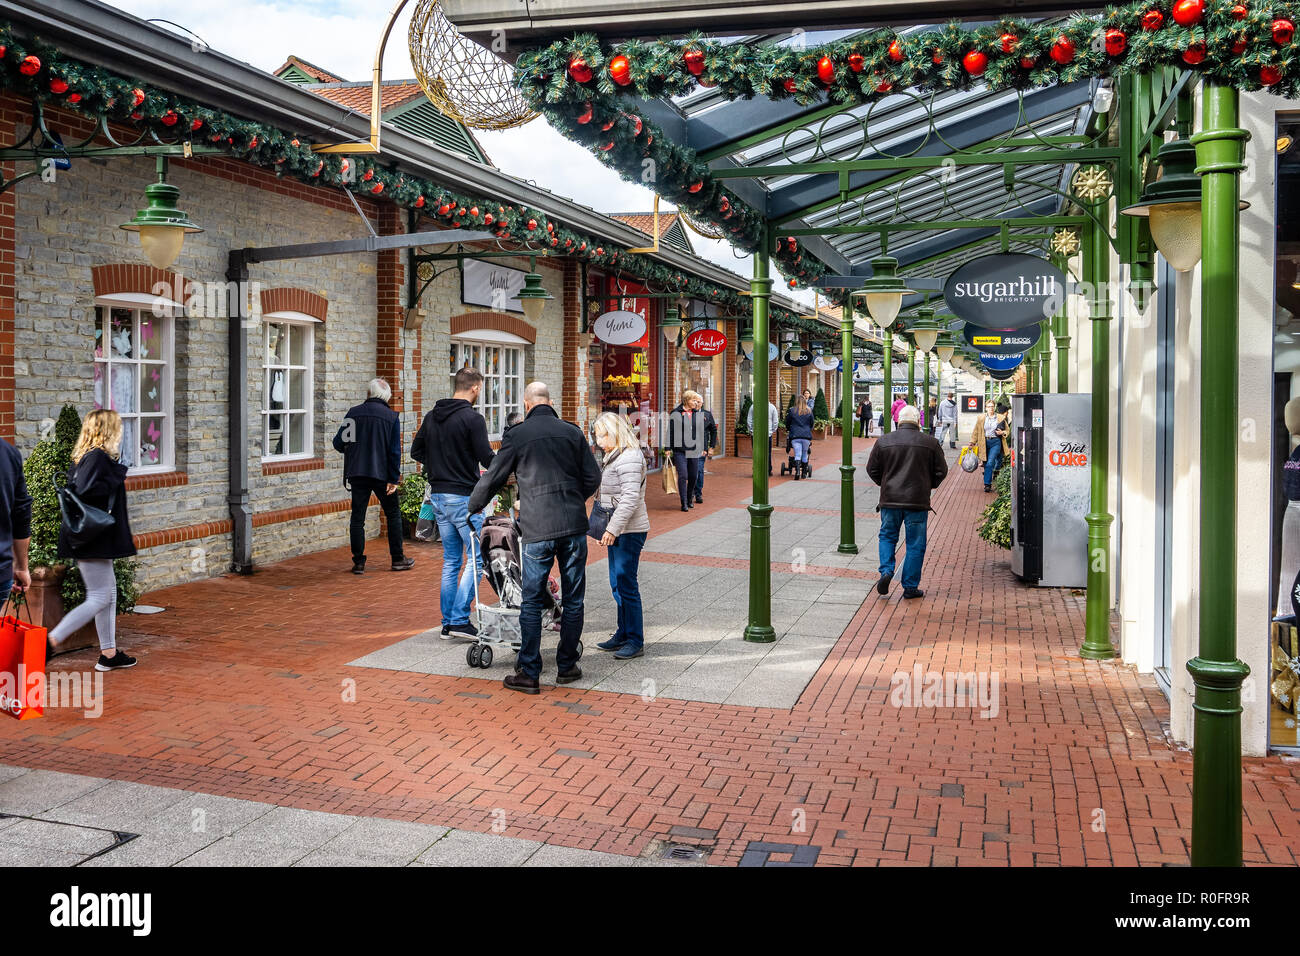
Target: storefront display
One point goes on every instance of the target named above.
(706, 373)
(622, 319)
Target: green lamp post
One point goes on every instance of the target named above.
(162, 227)
(883, 294)
(848, 530)
(533, 296)
(759, 628)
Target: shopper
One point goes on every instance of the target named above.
(98, 479)
(899, 404)
(931, 417)
(450, 446)
(799, 426)
(556, 474)
(686, 443)
(773, 422)
(370, 440)
(15, 522)
(907, 465)
(622, 488)
(864, 418)
(947, 417)
(990, 441)
(710, 446)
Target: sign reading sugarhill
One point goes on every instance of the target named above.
(1006, 291)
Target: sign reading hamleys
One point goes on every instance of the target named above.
(706, 342)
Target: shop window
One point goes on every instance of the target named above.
(288, 391)
(502, 365)
(134, 376)
(707, 376)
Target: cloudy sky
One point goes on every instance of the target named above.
(341, 37)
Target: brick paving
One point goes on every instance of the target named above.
(243, 691)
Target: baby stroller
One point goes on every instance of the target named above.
(498, 624)
(792, 467)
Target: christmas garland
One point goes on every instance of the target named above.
(37, 70)
(588, 89)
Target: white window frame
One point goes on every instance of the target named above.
(505, 342)
(158, 310)
(305, 323)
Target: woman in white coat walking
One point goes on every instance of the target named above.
(622, 487)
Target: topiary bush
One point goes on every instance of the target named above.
(44, 468)
(412, 496)
(995, 523)
(742, 420)
(821, 411)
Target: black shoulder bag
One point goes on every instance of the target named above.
(82, 523)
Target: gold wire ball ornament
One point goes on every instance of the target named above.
(1091, 183)
(701, 228)
(466, 81)
(1065, 242)
(424, 271)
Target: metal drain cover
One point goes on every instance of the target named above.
(681, 853)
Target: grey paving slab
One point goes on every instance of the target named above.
(245, 850)
(154, 850)
(36, 791)
(467, 848)
(324, 858)
(567, 856)
(289, 825)
(119, 804)
(376, 837)
(58, 836)
(202, 818)
(17, 854)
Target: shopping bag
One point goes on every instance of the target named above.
(22, 665)
(670, 477)
(426, 525)
(969, 459)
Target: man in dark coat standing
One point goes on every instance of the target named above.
(556, 474)
(15, 522)
(907, 464)
(370, 439)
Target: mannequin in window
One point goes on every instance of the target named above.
(1290, 519)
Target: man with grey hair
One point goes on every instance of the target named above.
(370, 439)
(556, 474)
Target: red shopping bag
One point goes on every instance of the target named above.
(22, 666)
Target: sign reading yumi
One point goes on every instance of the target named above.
(706, 342)
(1006, 291)
(619, 327)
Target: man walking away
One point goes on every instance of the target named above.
(948, 421)
(450, 446)
(370, 439)
(907, 465)
(864, 418)
(556, 474)
(15, 522)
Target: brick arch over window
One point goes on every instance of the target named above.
(498, 321)
(294, 300)
(141, 279)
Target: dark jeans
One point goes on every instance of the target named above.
(689, 475)
(538, 556)
(699, 481)
(624, 559)
(362, 489)
(994, 461)
(891, 519)
(862, 428)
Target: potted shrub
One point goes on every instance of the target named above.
(411, 497)
(822, 426)
(744, 440)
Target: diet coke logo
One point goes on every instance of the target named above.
(1070, 454)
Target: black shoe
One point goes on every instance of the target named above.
(699, 500)
(117, 662)
(446, 634)
(988, 488)
(463, 630)
(405, 564)
(521, 683)
(358, 567)
(684, 508)
(690, 505)
(951, 445)
(882, 586)
(913, 593)
(612, 644)
(568, 677)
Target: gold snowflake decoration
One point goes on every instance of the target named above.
(1065, 242)
(1091, 183)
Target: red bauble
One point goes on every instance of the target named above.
(252, 143)
(937, 59)
(883, 86)
(419, 202)
(826, 70)
(3, 50)
(554, 241)
(294, 142)
(975, 63)
(1027, 62)
(30, 66)
(473, 212)
(1268, 75)
(587, 112)
(139, 116)
(74, 97)
(1152, 20)
(791, 86)
(724, 204)
(169, 118)
(58, 87)
(1238, 11)
(620, 70)
(579, 70)
(532, 224)
(444, 209)
(607, 147)
(582, 248)
(794, 283)
(1009, 42)
(1063, 50)
(1194, 54)
(694, 187)
(600, 250)
(462, 211)
(694, 60)
(1283, 31)
(1239, 46)
(896, 51)
(377, 188)
(196, 125)
(489, 219)
(370, 174)
(607, 127)
(1116, 42)
(138, 97)
(550, 227)
(857, 62)
(1188, 13)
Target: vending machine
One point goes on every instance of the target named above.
(1050, 489)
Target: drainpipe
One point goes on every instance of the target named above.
(241, 509)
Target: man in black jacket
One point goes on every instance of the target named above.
(556, 474)
(450, 445)
(907, 465)
(370, 439)
(15, 522)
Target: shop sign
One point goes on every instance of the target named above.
(827, 363)
(798, 357)
(1002, 376)
(619, 328)
(1001, 363)
(706, 342)
(492, 286)
(1006, 291)
(996, 342)
(773, 353)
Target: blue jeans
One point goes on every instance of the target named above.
(571, 555)
(915, 522)
(799, 448)
(624, 559)
(994, 446)
(454, 527)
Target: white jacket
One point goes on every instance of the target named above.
(622, 487)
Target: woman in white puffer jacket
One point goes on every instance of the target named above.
(622, 487)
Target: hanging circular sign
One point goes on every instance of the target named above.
(1006, 291)
(1002, 376)
(773, 353)
(706, 342)
(860, 372)
(798, 357)
(1001, 363)
(619, 328)
(997, 342)
(827, 363)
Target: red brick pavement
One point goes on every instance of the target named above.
(243, 691)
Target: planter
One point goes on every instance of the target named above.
(45, 602)
(744, 446)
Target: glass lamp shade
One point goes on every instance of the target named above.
(747, 345)
(925, 338)
(884, 306)
(671, 326)
(533, 309)
(944, 352)
(533, 296)
(161, 244)
(1176, 231)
